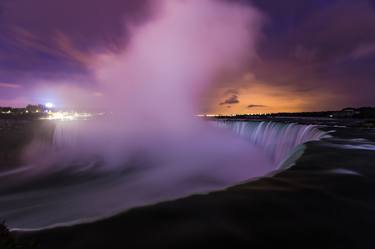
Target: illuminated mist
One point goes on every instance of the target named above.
(151, 147)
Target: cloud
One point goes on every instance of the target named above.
(363, 51)
(326, 48)
(306, 46)
(233, 99)
(256, 106)
(39, 38)
(9, 85)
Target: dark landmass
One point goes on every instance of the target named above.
(8, 241)
(30, 112)
(352, 117)
(349, 112)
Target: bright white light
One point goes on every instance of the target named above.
(68, 116)
(49, 105)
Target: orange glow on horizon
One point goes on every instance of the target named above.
(264, 98)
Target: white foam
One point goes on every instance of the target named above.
(15, 171)
(344, 172)
(359, 146)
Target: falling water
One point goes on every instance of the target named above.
(277, 139)
(40, 198)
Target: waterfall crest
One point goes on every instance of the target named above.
(278, 140)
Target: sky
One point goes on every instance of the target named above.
(311, 55)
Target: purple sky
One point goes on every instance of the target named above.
(313, 54)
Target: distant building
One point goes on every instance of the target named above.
(35, 108)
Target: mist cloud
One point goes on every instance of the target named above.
(154, 84)
(151, 147)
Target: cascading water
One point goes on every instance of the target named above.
(277, 139)
(94, 187)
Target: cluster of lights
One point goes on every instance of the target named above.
(208, 115)
(64, 115)
(68, 116)
(229, 115)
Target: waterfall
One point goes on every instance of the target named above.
(89, 161)
(278, 140)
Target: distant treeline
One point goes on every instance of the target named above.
(28, 112)
(360, 113)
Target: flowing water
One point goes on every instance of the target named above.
(277, 139)
(68, 183)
